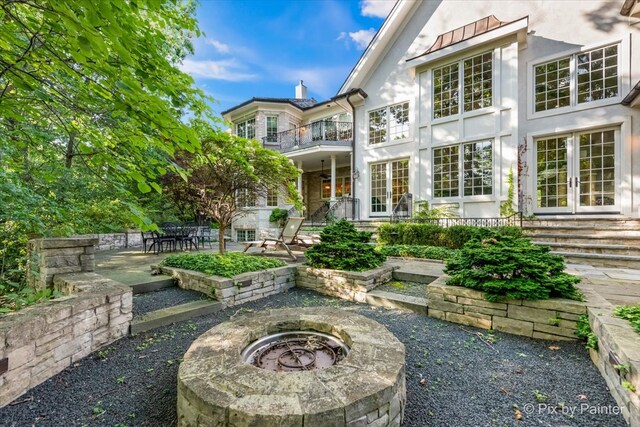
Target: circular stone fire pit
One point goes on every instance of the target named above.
(293, 367)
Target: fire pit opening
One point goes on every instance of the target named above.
(295, 351)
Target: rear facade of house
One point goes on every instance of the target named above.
(452, 97)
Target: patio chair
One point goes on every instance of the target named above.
(147, 236)
(288, 236)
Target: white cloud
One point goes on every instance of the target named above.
(218, 45)
(322, 81)
(227, 69)
(362, 37)
(376, 8)
(342, 35)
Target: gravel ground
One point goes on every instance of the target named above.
(453, 377)
(168, 297)
(405, 288)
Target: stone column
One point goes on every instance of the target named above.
(333, 178)
(48, 257)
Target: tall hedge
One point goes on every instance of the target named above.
(434, 235)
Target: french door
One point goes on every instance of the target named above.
(578, 173)
(389, 181)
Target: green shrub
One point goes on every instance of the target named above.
(14, 299)
(434, 235)
(457, 235)
(342, 247)
(227, 265)
(583, 331)
(511, 267)
(417, 251)
(279, 216)
(630, 313)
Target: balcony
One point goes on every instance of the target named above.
(310, 135)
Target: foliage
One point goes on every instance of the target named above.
(342, 247)
(506, 207)
(434, 235)
(511, 267)
(583, 331)
(424, 212)
(228, 265)
(417, 251)
(630, 313)
(13, 298)
(227, 167)
(279, 216)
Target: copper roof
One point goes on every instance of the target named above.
(626, 7)
(465, 32)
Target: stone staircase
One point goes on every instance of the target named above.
(601, 242)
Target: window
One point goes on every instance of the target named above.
(246, 129)
(245, 235)
(246, 198)
(389, 123)
(272, 128)
(552, 84)
(596, 78)
(476, 159)
(272, 197)
(343, 187)
(446, 172)
(477, 89)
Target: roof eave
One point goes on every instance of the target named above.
(633, 97)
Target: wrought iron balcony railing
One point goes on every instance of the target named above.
(317, 133)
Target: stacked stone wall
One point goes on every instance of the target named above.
(347, 285)
(48, 257)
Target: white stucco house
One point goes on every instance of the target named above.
(450, 96)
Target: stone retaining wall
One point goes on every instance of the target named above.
(47, 257)
(618, 344)
(238, 289)
(125, 239)
(349, 285)
(553, 319)
(39, 341)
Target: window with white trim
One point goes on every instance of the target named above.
(389, 123)
(476, 74)
(245, 235)
(245, 198)
(272, 129)
(596, 78)
(246, 129)
(473, 159)
(272, 197)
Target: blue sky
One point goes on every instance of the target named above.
(262, 48)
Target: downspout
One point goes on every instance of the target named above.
(353, 159)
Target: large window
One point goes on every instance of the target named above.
(476, 159)
(245, 235)
(389, 123)
(272, 128)
(476, 74)
(246, 129)
(343, 187)
(596, 79)
(246, 199)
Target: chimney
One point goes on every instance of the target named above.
(301, 91)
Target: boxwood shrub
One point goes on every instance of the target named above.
(504, 266)
(434, 235)
(417, 251)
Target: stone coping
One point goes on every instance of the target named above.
(216, 387)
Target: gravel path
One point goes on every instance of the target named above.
(405, 288)
(168, 297)
(453, 377)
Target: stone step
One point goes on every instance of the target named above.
(160, 282)
(414, 276)
(601, 260)
(390, 300)
(591, 231)
(178, 313)
(586, 239)
(623, 223)
(591, 248)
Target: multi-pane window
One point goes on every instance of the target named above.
(343, 187)
(552, 164)
(478, 168)
(379, 188)
(476, 74)
(476, 159)
(272, 128)
(446, 171)
(272, 197)
(389, 123)
(597, 168)
(553, 84)
(246, 129)
(245, 235)
(596, 78)
(477, 89)
(246, 198)
(597, 72)
(377, 126)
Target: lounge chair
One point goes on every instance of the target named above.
(288, 236)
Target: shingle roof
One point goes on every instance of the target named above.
(463, 33)
(300, 103)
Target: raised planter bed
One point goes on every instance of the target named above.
(349, 285)
(553, 319)
(39, 341)
(238, 289)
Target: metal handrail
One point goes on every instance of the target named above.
(319, 216)
(511, 220)
(344, 207)
(404, 207)
(309, 134)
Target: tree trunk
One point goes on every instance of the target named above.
(69, 154)
(221, 229)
